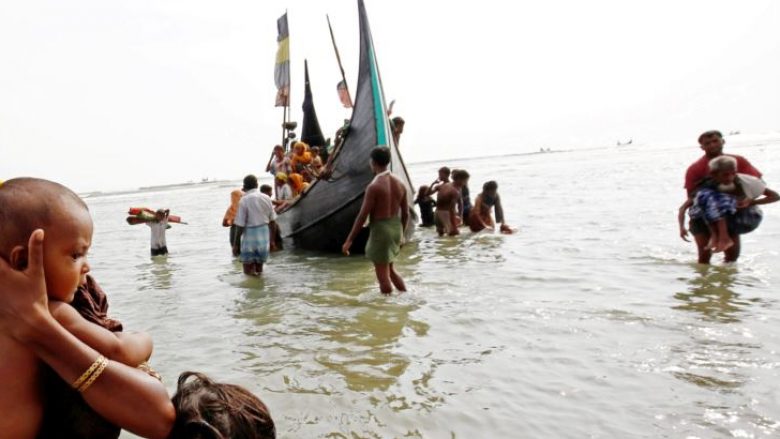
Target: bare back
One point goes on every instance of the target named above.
(387, 197)
(448, 197)
(20, 399)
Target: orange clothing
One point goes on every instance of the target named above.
(302, 159)
(296, 183)
(230, 214)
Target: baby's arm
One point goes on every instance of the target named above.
(131, 349)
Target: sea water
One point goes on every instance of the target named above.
(592, 321)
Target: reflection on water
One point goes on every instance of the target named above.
(712, 295)
(337, 308)
(156, 274)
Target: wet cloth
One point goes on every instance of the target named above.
(426, 211)
(255, 244)
(384, 240)
(443, 221)
(711, 205)
(158, 233)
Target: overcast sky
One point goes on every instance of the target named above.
(103, 94)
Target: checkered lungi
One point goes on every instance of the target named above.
(255, 244)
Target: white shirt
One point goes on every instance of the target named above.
(255, 209)
(284, 192)
(158, 233)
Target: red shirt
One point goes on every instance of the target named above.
(700, 169)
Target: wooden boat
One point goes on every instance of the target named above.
(322, 217)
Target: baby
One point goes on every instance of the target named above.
(27, 204)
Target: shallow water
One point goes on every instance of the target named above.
(592, 321)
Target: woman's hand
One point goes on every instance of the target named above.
(23, 300)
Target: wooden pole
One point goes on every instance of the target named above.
(338, 57)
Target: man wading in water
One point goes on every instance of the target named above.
(385, 198)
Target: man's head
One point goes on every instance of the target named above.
(398, 124)
(723, 169)
(268, 190)
(281, 178)
(250, 182)
(27, 204)
(490, 188)
(278, 150)
(444, 173)
(315, 151)
(460, 177)
(380, 158)
(711, 142)
(160, 214)
(209, 410)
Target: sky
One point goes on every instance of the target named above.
(105, 95)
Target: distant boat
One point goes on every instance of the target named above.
(630, 141)
(323, 216)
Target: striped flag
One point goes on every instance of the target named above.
(282, 68)
(344, 97)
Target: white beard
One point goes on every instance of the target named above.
(727, 187)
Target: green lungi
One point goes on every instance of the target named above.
(384, 241)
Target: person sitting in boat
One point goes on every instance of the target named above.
(283, 190)
(297, 184)
(447, 201)
(442, 179)
(426, 204)
(279, 161)
(397, 126)
(719, 197)
(316, 161)
(158, 227)
(301, 157)
(480, 217)
(230, 215)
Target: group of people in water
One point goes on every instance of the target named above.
(452, 207)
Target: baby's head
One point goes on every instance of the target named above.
(27, 204)
(209, 410)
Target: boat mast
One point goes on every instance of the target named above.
(338, 57)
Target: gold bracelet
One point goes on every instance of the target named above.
(76, 384)
(94, 376)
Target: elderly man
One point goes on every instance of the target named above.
(711, 142)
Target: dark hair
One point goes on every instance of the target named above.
(460, 175)
(398, 120)
(250, 182)
(266, 189)
(709, 133)
(445, 170)
(381, 155)
(209, 410)
(490, 186)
